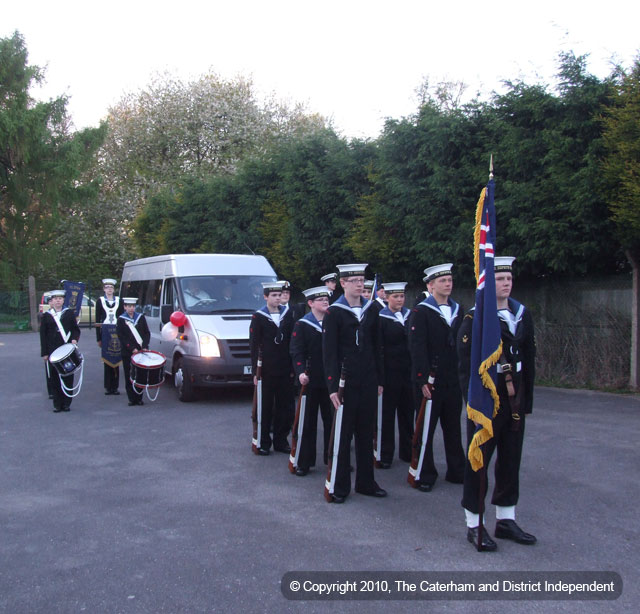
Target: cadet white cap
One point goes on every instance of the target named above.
(317, 292)
(329, 277)
(368, 283)
(395, 287)
(439, 270)
(109, 282)
(272, 286)
(351, 270)
(503, 263)
(56, 293)
(129, 300)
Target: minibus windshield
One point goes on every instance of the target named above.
(209, 294)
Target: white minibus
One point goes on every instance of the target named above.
(218, 293)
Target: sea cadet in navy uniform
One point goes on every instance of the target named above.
(349, 340)
(368, 288)
(297, 309)
(306, 353)
(108, 309)
(433, 326)
(270, 332)
(516, 401)
(134, 337)
(57, 327)
(396, 360)
(330, 280)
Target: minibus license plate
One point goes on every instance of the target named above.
(247, 370)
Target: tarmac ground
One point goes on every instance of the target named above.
(163, 508)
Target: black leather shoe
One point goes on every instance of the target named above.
(284, 449)
(108, 392)
(487, 545)
(140, 402)
(132, 403)
(337, 499)
(57, 410)
(425, 487)
(376, 492)
(384, 465)
(301, 472)
(508, 529)
(115, 392)
(263, 452)
(66, 408)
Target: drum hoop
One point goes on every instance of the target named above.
(157, 366)
(72, 348)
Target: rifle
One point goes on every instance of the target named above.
(420, 435)
(256, 409)
(377, 440)
(298, 425)
(334, 441)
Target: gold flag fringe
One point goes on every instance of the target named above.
(474, 454)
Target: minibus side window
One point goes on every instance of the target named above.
(151, 304)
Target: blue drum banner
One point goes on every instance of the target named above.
(110, 345)
(73, 292)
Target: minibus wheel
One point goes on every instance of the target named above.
(183, 383)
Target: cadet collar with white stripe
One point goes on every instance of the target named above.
(447, 312)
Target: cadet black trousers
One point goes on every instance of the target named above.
(447, 408)
(507, 466)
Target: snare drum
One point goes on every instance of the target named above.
(147, 369)
(66, 359)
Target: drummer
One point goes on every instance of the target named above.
(134, 336)
(57, 327)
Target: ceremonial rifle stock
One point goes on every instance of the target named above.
(298, 425)
(420, 435)
(256, 409)
(377, 437)
(334, 441)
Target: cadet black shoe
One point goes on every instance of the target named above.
(132, 403)
(376, 492)
(425, 487)
(301, 472)
(263, 452)
(286, 448)
(508, 529)
(384, 465)
(337, 499)
(57, 410)
(488, 545)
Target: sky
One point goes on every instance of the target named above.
(355, 62)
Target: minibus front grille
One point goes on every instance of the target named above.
(239, 348)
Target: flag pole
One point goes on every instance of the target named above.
(482, 490)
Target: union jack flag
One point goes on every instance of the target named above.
(486, 345)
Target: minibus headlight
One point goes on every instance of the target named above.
(209, 347)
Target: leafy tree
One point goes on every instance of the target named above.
(621, 165)
(173, 130)
(42, 165)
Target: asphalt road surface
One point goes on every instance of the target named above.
(163, 508)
